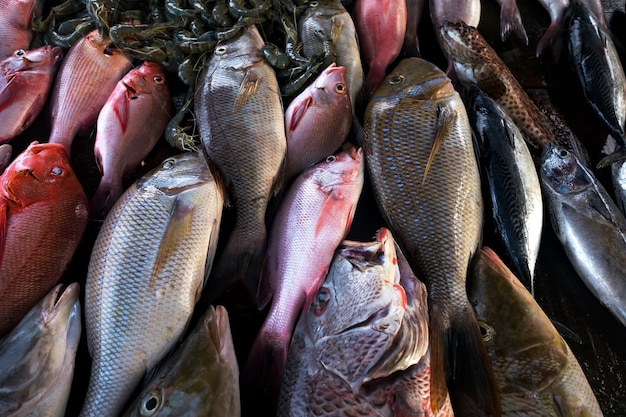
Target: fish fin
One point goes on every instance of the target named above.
(438, 364)
(565, 331)
(299, 112)
(445, 122)
(4, 224)
(551, 39)
(8, 95)
(232, 268)
(121, 109)
(511, 22)
(618, 156)
(105, 197)
(248, 88)
(265, 291)
(335, 31)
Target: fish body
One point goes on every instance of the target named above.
(537, 372)
(16, 18)
(312, 220)
(146, 272)
(201, 378)
(43, 210)
(361, 348)
(25, 81)
(6, 152)
(37, 357)
(426, 180)
(317, 121)
(327, 26)
(381, 27)
(87, 76)
(514, 188)
(511, 21)
(128, 127)
(589, 225)
(242, 127)
(551, 38)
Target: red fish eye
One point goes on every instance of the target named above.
(321, 301)
(340, 88)
(56, 171)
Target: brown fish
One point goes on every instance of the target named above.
(425, 177)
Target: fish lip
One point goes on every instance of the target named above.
(129, 86)
(60, 301)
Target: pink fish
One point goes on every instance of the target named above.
(381, 26)
(551, 37)
(128, 127)
(87, 76)
(16, 18)
(317, 121)
(311, 222)
(25, 81)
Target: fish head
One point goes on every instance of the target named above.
(178, 173)
(149, 78)
(232, 52)
(60, 304)
(344, 168)
(45, 58)
(330, 87)
(562, 171)
(463, 42)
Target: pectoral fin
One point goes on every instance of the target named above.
(445, 122)
(249, 86)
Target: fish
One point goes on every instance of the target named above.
(551, 38)
(37, 357)
(513, 184)
(537, 373)
(589, 226)
(201, 378)
(241, 122)
(127, 129)
(25, 81)
(381, 28)
(317, 121)
(414, 11)
(326, 26)
(312, 220)
(477, 63)
(16, 18)
(43, 215)
(6, 152)
(85, 80)
(362, 347)
(426, 181)
(146, 272)
(511, 21)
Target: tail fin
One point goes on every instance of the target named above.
(511, 22)
(374, 77)
(551, 39)
(108, 192)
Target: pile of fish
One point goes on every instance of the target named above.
(168, 168)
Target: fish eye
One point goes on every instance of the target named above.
(321, 301)
(20, 52)
(314, 4)
(56, 171)
(340, 88)
(220, 50)
(158, 79)
(150, 404)
(397, 79)
(563, 153)
(486, 331)
(169, 164)
(331, 158)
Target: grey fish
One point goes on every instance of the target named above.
(514, 188)
(37, 357)
(589, 225)
(201, 378)
(146, 272)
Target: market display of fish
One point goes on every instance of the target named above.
(146, 273)
(16, 18)
(37, 357)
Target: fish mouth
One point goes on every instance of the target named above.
(60, 302)
(130, 87)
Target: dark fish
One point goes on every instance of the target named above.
(414, 11)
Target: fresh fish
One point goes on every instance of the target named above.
(511, 21)
(414, 11)
(37, 357)
(589, 225)
(537, 372)
(425, 177)
(618, 177)
(87, 76)
(552, 36)
(6, 152)
(326, 26)
(128, 127)
(312, 220)
(475, 62)
(16, 18)
(362, 346)
(201, 378)
(242, 127)
(596, 7)
(146, 273)
(514, 188)
(317, 121)
(381, 27)
(43, 214)
(25, 81)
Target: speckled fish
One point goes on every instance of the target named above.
(25, 81)
(425, 177)
(317, 121)
(128, 127)
(312, 220)
(589, 225)
(513, 183)
(43, 215)
(475, 62)
(511, 21)
(537, 372)
(87, 76)
(201, 378)
(551, 38)
(241, 122)
(362, 346)
(16, 18)
(326, 25)
(37, 357)
(146, 272)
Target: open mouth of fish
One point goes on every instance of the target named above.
(60, 301)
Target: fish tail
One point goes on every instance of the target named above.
(374, 77)
(511, 22)
(108, 192)
(551, 39)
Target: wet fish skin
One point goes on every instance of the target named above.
(537, 372)
(242, 127)
(551, 37)
(43, 208)
(511, 21)
(201, 378)
(128, 127)
(589, 225)
(312, 220)
(37, 357)
(87, 76)
(431, 198)
(146, 272)
(514, 189)
(6, 152)
(25, 80)
(16, 18)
